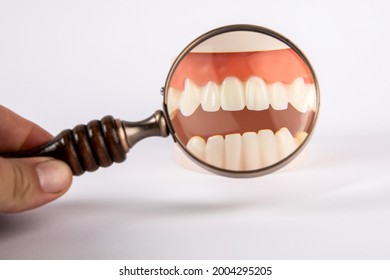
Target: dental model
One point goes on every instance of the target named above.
(240, 101)
(242, 107)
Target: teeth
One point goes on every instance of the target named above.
(268, 147)
(298, 96)
(311, 96)
(173, 101)
(214, 151)
(232, 94)
(256, 94)
(197, 147)
(286, 143)
(300, 137)
(249, 151)
(190, 99)
(302, 96)
(233, 152)
(210, 100)
(278, 96)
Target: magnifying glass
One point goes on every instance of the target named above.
(240, 101)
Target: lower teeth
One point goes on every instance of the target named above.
(249, 151)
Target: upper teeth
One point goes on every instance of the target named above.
(249, 151)
(234, 95)
(190, 99)
(211, 98)
(256, 94)
(278, 96)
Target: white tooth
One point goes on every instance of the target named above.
(256, 94)
(196, 145)
(268, 147)
(190, 99)
(300, 137)
(286, 142)
(311, 96)
(250, 151)
(232, 94)
(278, 96)
(214, 151)
(210, 98)
(233, 152)
(298, 95)
(173, 101)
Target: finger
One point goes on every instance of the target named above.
(17, 133)
(29, 183)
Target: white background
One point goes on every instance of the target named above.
(66, 62)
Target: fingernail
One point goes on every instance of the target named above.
(53, 175)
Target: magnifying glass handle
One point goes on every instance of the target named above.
(99, 143)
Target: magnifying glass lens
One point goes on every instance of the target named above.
(241, 100)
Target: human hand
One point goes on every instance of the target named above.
(27, 183)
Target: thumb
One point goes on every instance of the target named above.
(27, 183)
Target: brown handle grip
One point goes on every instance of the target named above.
(85, 147)
(97, 144)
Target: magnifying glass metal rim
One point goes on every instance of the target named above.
(243, 173)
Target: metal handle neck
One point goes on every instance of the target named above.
(155, 125)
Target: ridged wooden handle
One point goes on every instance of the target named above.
(97, 144)
(85, 147)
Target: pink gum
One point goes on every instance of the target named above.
(273, 66)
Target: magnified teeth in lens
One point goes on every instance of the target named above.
(242, 109)
(248, 151)
(215, 151)
(190, 98)
(233, 152)
(234, 95)
(210, 97)
(278, 96)
(257, 97)
(174, 101)
(197, 146)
